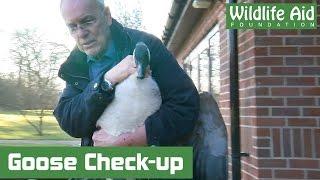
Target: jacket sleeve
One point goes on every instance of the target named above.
(77, 111)
(180, 100)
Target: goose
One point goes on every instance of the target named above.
(130, 107)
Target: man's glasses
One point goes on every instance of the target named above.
(84, 25)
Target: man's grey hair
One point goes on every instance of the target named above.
(100, 3)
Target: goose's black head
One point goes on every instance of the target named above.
(141, 55)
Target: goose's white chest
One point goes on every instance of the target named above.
(134, 101)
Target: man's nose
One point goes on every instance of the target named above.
(82, 33)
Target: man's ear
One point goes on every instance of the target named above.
(108, 15)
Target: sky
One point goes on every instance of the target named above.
(44, 15)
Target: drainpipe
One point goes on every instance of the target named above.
(234, 102)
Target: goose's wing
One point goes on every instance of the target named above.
(209, 140)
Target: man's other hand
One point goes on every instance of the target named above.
(122, 70)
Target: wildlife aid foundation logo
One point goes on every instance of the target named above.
(271, 16)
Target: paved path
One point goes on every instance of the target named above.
(40, 142)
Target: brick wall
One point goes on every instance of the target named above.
(279, 78)
(279, 74)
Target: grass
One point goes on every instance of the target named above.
(33, 145)
(14, 126)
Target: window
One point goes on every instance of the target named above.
(203, 63)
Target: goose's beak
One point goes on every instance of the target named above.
(141, 71)
(141, 55)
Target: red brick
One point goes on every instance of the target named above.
(283, 32)
(269, 61)
(313, 174)
(285, 112)
(284, 70)
(247, 102)
(311, 70)
(261, 71)
(225, 81)
(263, 132)
(266, 41)
(225, 88)
(262, 142)
(245, 35)
(245, 46)
(310, 50)
(224, 66)
(264, 173)
(247, 176)
(269, 122)
(261, 81)
(261, 51)
(254, 111)
(308, 143)
(305, 164)
(264, 153)
(283, 50)
(286, 139)
(297, 148)
(301, 101)
(246, 64)
(290, 174)
(246, 55)
(246, 168)
(273, 163)
(299, 41)
(247, 73)
(314, 91)
(225, 96)
(299, 61)
(261, 91)
(260, 32)
(269, 101)
(311, 111)
(284, 91)
(224, 74)
(224, 51)
(304, 122)
(246, 121)
(301, 81)
(276, 142)
(247, 83)
(317, 142)
(310, 31)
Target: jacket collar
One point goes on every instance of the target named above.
(76, 65)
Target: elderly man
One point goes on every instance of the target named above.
(102, 59)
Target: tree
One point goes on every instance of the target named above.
(37, 63)
(131, 18)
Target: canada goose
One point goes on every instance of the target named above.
(136, 98)
(209, 142)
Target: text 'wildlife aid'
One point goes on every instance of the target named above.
(271, 16)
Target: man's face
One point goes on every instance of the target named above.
(88, 24)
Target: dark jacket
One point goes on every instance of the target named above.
(83, 100)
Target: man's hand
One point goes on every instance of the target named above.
(137, 138)
(122, 70)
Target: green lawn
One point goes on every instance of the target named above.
(14, 126)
